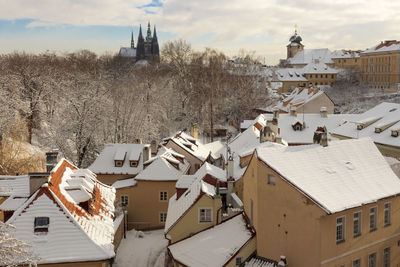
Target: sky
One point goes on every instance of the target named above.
(262, 26)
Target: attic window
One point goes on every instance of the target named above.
(393, 109)
(41, 226)
(378, 130)
(360, 127)
(134, 163)
(395, 133)
(118, 163)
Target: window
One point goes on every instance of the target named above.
(205, 215)
(271, 179)
(340, 229)
(118, 163)
(372, 218)
(357, 263)
(238, 261)
(41, 225)
(134, 163)
(357, 224)
(386, 257)
(163, 196)
(387, 214)
(372, 260)
(124, 201)
(163, 217)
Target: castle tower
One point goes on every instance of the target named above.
(140, 51)
(295, 45)
(155, 51)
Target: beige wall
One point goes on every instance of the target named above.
(2, 199)
(244, 252)
(144, 205)
(314, 106)
(287, 86)
(189, 157)
(109, 179)
(321, 79)
(119, 234)
(347, 63)
(189, 223)
(368, 242)
(78, 264)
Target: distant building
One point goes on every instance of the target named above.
(146, 49)
(380, 65)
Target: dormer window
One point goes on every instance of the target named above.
(118, 163)
(119, 158)
(360, 127)
(41, 226)
(395, 133)
(378, 130)
(134, 163)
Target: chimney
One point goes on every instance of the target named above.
(323, 112)
(36, 180)
(278, 138)
(51, 159)
(230, 167)
(321, 136)
(137, 141)
(153, 147)
(230, 180)
(146, 153)
(194, 130)
(293, 112)
(275, 112)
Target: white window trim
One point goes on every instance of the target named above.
(390, 213)
(360, 221)
(159, 216)
(344, 229)
(211, 215)
(159, 196)
(376, 218)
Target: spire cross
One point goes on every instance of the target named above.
(295, 28)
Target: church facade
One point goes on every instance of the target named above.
(146, 49)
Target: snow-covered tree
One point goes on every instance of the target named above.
(14, 252)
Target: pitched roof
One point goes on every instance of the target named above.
(386, 46)
(124, 183)
(343, 175)
(189, 144)
(178, 207)
(318, 68)
(385, 116)
(104, 163)
(346, 54)
(168, 165)
(75, 233)
(186, 180)
(215, 246)
(12, 203)
(259, 262)
(307, 56)
(14, 186)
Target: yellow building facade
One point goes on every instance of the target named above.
(380, 65)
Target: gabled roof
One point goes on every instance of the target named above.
(343, 175)
(75, 233)
(386, 46)
(307, 56)
(168, 165)
(338, 54)
(215, 246)
(104, 163)
(186, 180)
(178, 207)
(299, 97)
(124, 183)
(384, 114)
(14, 186)
(189, 144)
(318, 68)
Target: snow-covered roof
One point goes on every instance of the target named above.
(318, 68)
(215, 246)
(217, 149)
(168, 165)
(105, 162)
(12, 203)
(190, 145)
(14, 186)
(178, 207)
(289, 75)
(339, 54)
(386, 46)
(259, 262)
(186, 180)
(298, 97)
(76, 233)
(385, 116)
(127, 52)
(124, 183)
(343, 175)
(307, 56)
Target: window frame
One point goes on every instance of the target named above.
(372, 256)
(359, 222)
(386, 252)
(356, 261)
(375, 208)
(163, 196)
(238, 260)
(343, 225)
(162, 217)
(389, 210)
(124, 199)
(204, 220)
(41, 229)
(271, 179)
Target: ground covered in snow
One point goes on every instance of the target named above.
(145, 251)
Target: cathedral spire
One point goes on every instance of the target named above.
(132, 41)
(155, 51)
(148, 37)
(140, 50)
(155, 34)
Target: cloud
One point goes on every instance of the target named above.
(261, 25)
